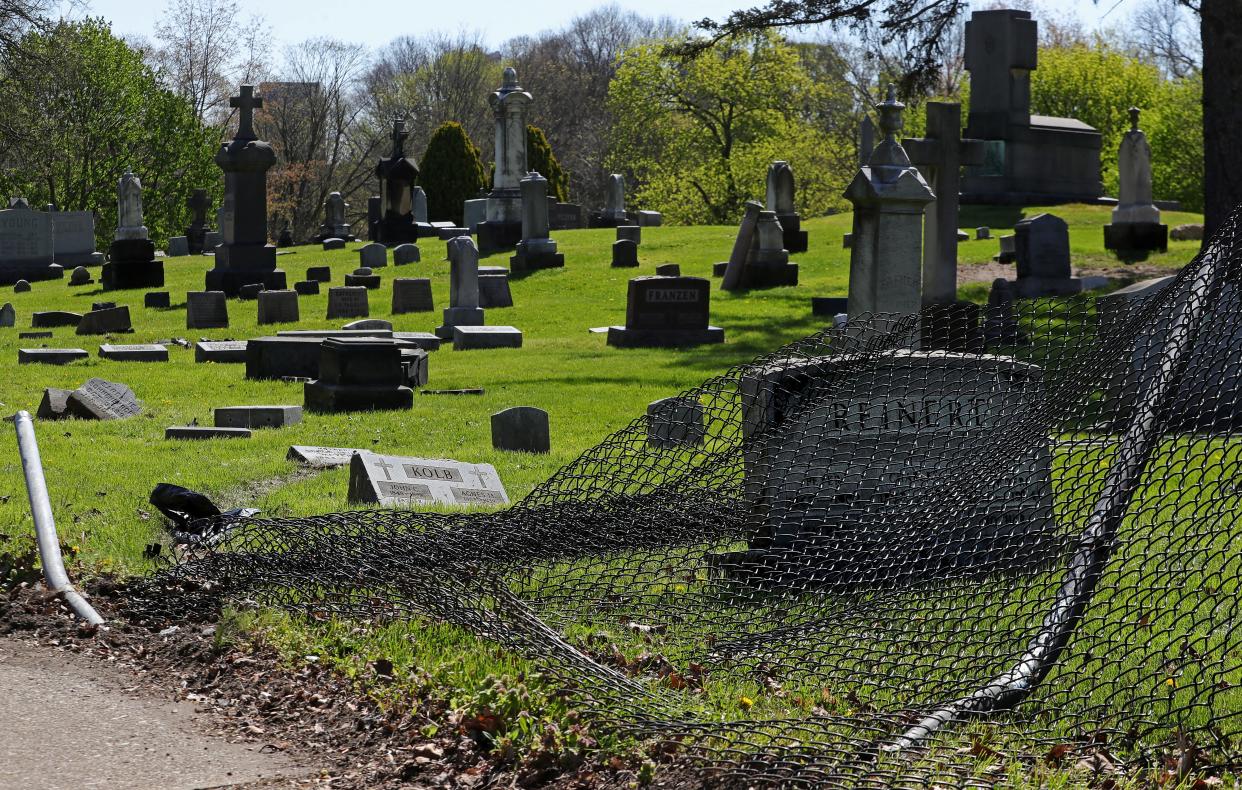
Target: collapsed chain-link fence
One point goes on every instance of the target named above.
(834, 562)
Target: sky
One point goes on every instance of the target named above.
(374, 23)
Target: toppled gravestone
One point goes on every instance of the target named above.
(97, 399)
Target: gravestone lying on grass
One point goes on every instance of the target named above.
(96, 399)
(395, 481)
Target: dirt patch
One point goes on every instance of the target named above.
(1123, 275)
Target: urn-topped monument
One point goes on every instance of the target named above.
(132, 262)
(502, 228)
(245, 257)
(397, 175)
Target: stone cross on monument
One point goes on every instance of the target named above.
(399, 135)
(940, 157)
(246, 104)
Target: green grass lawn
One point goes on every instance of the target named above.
(100, 473)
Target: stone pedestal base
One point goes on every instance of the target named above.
(458, 316)
(769, 276)
(497, 236)
(467, 338)
(525, 261)
(231, 280)
(794, 236)
(133, 265)
(391, 232)
(623, 337)
(1136, 237)
(321, 397)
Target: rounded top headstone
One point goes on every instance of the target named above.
(21, 286)
(81, 276)
(362, 271)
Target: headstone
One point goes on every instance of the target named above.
(205, 432)
(196, 233)
(212, 240)
(649, 219)
(110, 320)
(1031, 159)
(734, 274)
(463, 309)
(411, 295)
(144, 352)
(8, 316)
(666, 312)
(359, 374)
(283, 356)
(285, 239)
(73, 238)
(321, 457)
(80, 276)
(422, 340)
(1008, 250)
(245, 257)
(471, 338)
(46, 319)
(889, 196)
(307, 287)
(21, 287)
(1000, 325)
(348, 302)
(418, 204)
(334, 244)
(99, 399)
(157, 300)
(54, 405)
(26, 245)
(321, 274)
(668, 270)
(983, 233)
(613, 213)
(368, 323)
(866, 140)
(250, 291)
(522, 429)
(395, 481)
(1042, 247)
(494, 291)
(363, 278)
(178, 247)
(565, 216)
(632, 233)
(102, 305)
(222, 351)
(131, 258)
(536, 250)
(334, 225)
(405, 253)
(1187, 232)
(206, 310)
(474, 212)
(1136, 227)
(396, 175)
(675, 422)
(624, 254)
(278, 307)
(257, 416)
(34, 335)
(780, 200)
(940, 156)
(502, 227)
(50, 356)
(767, 263)
(373, 256)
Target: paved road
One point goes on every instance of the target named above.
(68, 723)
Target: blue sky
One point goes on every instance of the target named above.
(375, 22)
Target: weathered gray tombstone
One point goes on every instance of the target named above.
(632, 233)
(80, 276)
(863, 448)
(321, 274)
(359, 374)
(250, 291)
(206, 310)
(613, 213)
(395, 481)
(212, 240)
(278, 307)
(522, 429)
(257, 416)
(21, 287)
(471, 338)
(106, 321)
(50, 356)
(779, 199)
(982, 233)
(201, 432)
(131, 258)
(675, 422)
(334, 244)
(348, 301)
(474, 212)
(624, 254)
(99, 399)
(8, 316)
(245, 256)
(46, 319)
(666, 312)
(1041, 244)
(767, 262)
(307, 287)
(1000, 325)
(157, 300)
(536, 250)
(196, 233)
(1136, 228)
(283, 357)
(1008, 249)
(26, 246)
(648, 218)
(178, 247)
(940, 156)
(137, 352)
(502, 228)
(368, 323)
(668, 270)
(889, 195)
(364, 277)
(866, 140)
(54, 405)
(320, 457)
(73, 238)
(222, 351)
(735, 271)
(334, 225)
(494, 291)
(406, 253)
(418, 204)
(411, 295)
(463, 309)
(373, 256)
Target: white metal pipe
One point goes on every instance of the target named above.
(45, 526)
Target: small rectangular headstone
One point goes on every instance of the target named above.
(278, 307)
(396, 481)
(205, 432)
(144, 352)
(106, 321)
(348, 302)
(33, 335)
(157, 300)
(307, 288)
(178, 246)
(468, 338)
(411, 295)
(257, 416)
(220, 351)
(427, 341)
(373, 256)
(521, 429)
(50, 356)
(321, 274)
(53, 318)
(206, 310)
(320, 457)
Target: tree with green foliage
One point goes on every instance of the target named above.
(81, 108)
(539, 157)
(451, 172)
(695, 138)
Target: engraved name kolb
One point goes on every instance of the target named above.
(672, 295)
(908, 414)
(432, 473)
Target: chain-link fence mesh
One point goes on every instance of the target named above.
(833, 562)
